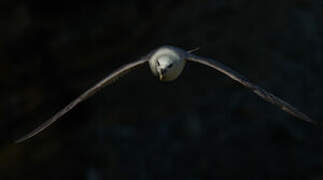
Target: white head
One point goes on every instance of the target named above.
(167, 63)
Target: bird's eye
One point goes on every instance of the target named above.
(157, 63)
(170, 65)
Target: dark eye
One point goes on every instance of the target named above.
(170, 65)
(157, 63)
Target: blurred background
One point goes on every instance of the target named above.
(201, 126)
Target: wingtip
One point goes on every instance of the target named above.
(309, 120)
(313, 122)
(18, 141)
(22, 139)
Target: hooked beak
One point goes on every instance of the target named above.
(161, 73)
(161, 77)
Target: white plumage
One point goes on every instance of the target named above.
(167, 63)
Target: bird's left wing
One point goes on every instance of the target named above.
(108, 80)
(256, 89)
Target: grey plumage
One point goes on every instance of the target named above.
(167, 63)
(104, 82)
(267, 96)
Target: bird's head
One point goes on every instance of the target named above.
(167, 63)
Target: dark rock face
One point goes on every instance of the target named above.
(202, 126)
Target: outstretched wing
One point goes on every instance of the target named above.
(108, 80)
(256, 89)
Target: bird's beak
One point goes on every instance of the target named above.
(161, 74)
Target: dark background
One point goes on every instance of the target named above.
(201, 126)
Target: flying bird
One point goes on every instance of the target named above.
(167, 63)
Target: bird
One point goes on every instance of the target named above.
(167, 63)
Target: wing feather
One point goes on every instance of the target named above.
(267, 96)
(104, 82)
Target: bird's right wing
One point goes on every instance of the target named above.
(256, 89)
(108, 80)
